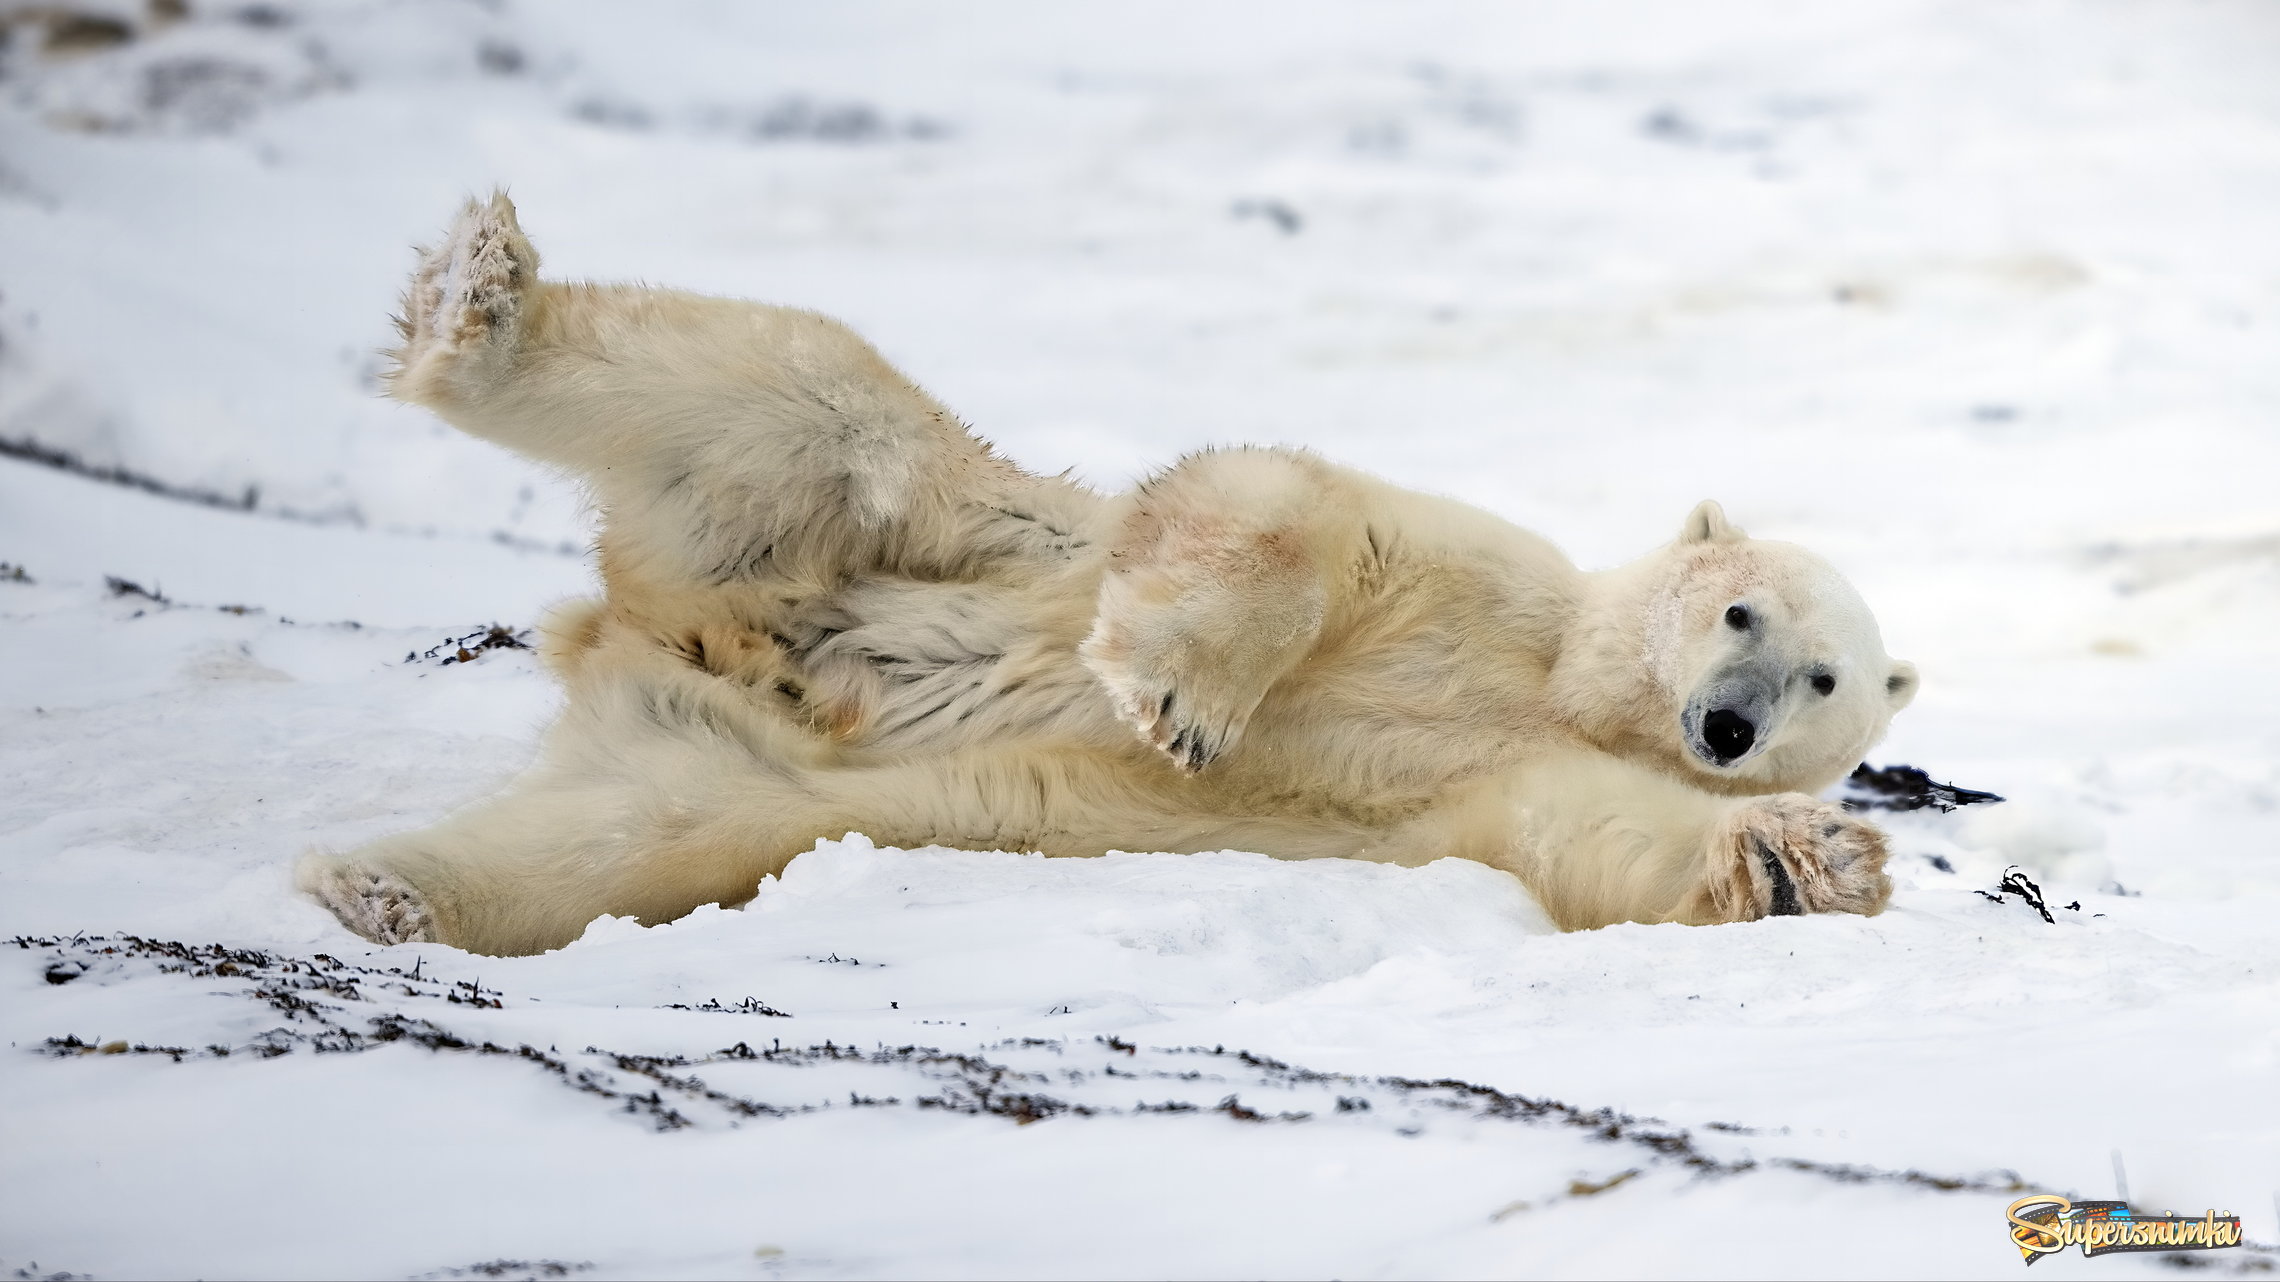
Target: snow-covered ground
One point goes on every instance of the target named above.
(1981, 301)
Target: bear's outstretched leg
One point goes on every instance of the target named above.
(528, 871)
(1216, 589)
(724, 438)
(1602, 840)
(650, 798)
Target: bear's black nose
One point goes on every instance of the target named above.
(1728, 734)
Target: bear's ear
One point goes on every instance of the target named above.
(1900, 687)
(1707, 523)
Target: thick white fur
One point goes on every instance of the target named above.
(828, 607)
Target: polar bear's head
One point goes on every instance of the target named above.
(1765, 665)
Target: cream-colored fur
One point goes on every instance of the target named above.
(829, 608)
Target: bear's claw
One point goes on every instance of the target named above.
(1784, 903)
(1172, 724)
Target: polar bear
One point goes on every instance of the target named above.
(828, 608)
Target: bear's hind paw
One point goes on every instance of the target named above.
(379, 906)
(467, 297)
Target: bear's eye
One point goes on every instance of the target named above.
(1824, 684)
(1738, 617)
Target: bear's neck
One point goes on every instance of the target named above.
(1606, 683)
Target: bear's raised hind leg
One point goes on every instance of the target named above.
(724, 439)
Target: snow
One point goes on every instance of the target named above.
(1979, 301)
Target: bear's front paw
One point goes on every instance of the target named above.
(378, 905)
(1790, 854)
(467, 300)
(1177, 717)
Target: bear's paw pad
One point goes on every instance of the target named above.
(468, 292)
(1789, 855)
(379, 906)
